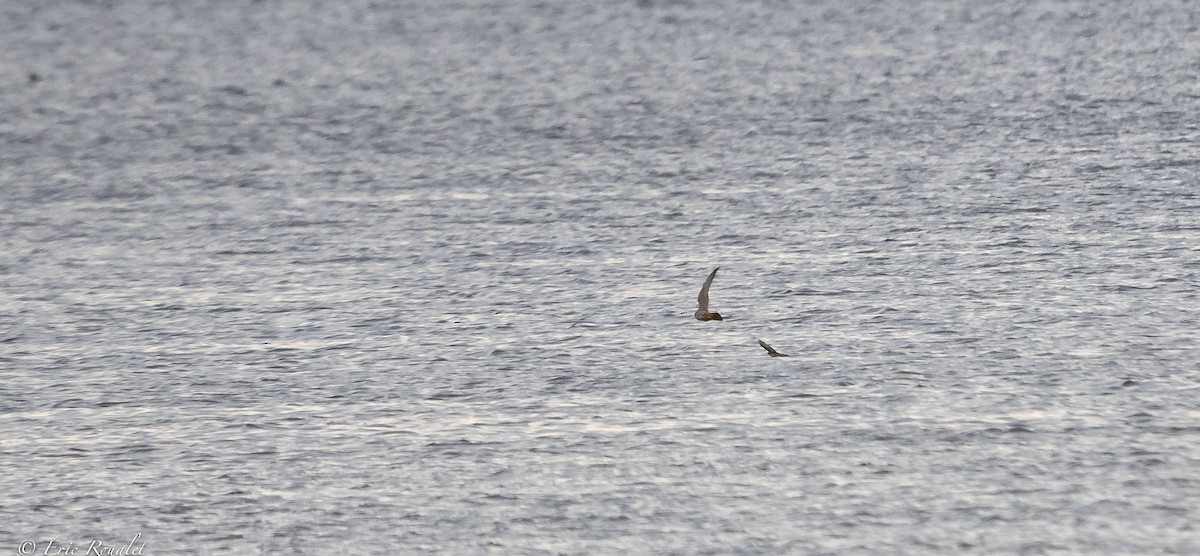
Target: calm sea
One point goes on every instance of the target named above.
(358, 277)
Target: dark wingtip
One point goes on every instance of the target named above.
(770, 350)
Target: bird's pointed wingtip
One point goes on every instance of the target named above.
(770, 350)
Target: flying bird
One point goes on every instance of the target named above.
(770, 350)
(702, 313)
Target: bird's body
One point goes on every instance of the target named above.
(770, 350)
(702, 313)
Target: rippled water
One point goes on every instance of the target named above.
(349, 278)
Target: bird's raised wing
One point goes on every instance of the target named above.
(702, 299)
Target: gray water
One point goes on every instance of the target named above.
(339, 277)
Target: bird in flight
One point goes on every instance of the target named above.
(770, 350)
(702, 313)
